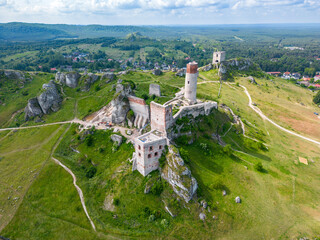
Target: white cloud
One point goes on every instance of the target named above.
(137, 11)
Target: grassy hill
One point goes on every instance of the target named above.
(278, 202)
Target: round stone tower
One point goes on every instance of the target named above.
(190, 92)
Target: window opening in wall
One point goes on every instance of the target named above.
(139, 147)
(160, 147)
(151, 148)
(149, 155)
(188, 82)
(156, 154)
(139, 154)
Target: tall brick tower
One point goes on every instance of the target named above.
(190, 86)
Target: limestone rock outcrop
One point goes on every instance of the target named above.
(48, 101)
(178, 175)
(252, 80)
(119, 106)
(237, 65)
(69, 79)
(32, 109)
(206, 68)
(88, 80)
(13, 74)
(109, 76)
(117, 139)
(181, 72)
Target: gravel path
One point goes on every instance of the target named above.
(78, 189)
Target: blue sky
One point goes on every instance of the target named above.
(160, 12)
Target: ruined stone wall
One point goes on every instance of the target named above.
(196, 110)
(140, 110)
(148, 154)
(161, 117)
(154, 89)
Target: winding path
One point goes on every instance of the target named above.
(264, 117)
(78, 189)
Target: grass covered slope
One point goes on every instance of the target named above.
(23, 154)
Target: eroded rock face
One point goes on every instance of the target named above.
(109, 76)
(116, 139)
(206, 68)
(252, 80)
(88, 80)
(181, 72)
(32, 109)
(12, 74)
(178, 175)
(68, 79)
(120, 104)
(237, 65)
(49, 100)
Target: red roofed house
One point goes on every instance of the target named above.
(316, 77)
(317, 85)
(274, 73)
(306, 79)
(53, 69)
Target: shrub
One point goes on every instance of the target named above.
(316, 98)
(259, 167)
(157, 188)
(228, 150)
(91, 172)
(116, 201)
(89, 140)
(97, 88)
(145, 96)
(151, 218)
(185, 155)
(164, 223)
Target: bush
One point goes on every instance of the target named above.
(145, 96)
(259, 167)
(185, 155)
(316, 98)
(228, 150)
(116, 201)
(89, 140)
(151, 218)
(157, 188)
(97, 88)
(164, 223)
(91, 172)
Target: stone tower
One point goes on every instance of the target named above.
(190, 86)
(218, 57)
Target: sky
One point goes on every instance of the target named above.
(160, 12)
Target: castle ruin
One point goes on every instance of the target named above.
(149, 146)
(218, 57)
